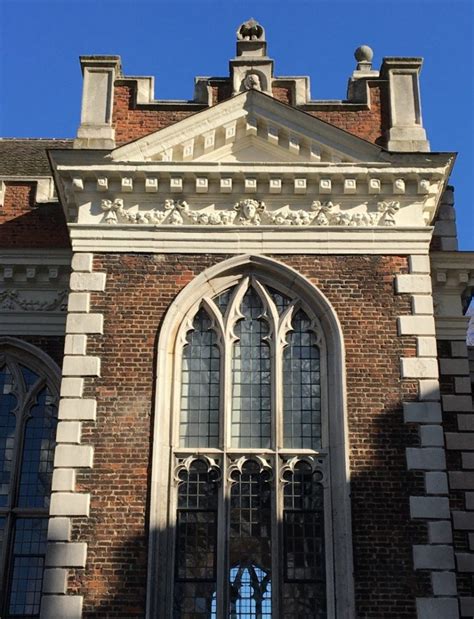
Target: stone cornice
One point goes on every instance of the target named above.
(255, 240)
(358, 191)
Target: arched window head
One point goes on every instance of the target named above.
(249, 452)
(28, 419)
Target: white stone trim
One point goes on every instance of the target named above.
(70, 454)
(430, 456)
(257, 240)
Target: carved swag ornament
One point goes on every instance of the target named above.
(250, 212)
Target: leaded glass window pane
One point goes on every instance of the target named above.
(303, 538)
(28, 419)
(29, 549)
(250, 541)
(196, 543)
(38, 453)
(8, 403)
(251, 388)
(301, 387)
(281, 301)
(200, 386)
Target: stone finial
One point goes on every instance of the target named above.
(250, 30)
(251, 69)
(364, 55)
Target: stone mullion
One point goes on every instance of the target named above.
(432, 507)
(71, 454)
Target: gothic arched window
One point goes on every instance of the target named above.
(28, 418)
(249, 497)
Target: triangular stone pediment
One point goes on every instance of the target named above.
(250, 127)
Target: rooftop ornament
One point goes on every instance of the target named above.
(251, 30)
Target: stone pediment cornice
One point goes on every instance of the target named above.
(254, 126)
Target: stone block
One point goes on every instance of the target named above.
(465, 560)
(465, 423)
(81, 366)
(415, 325)
(449, 367)
(426, 458)
(73, 456)
(55, 580)
(64, 480)
(444, 583)
(66, 554)
(75, 345)
(77, 409)
(419, 367)
(440, 532)
(463, 521)
(85, 323)
(426, 347)
(87, 282)
(82, 262)
(457, 403)
(79, 302)
(419, 264)
(437, 608)
(431, 436)
(436, 482)
(469, 497)
(59, 530)
(72, 387)
(61, 607)
(460, 440)
(414, 284)
(422, 412)
(467, 606)
(433, 557)
(429, 507)
(461, 480)
(445, 228)
(429, 390)
(458, 349)
(462, 384)
(69, 504)
(422, 304)
(467, 460)
(68, 432)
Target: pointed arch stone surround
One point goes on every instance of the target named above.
(211, 282)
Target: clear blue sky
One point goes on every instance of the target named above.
(174, 40)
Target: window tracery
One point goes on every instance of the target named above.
(28, 419)
(250, 457)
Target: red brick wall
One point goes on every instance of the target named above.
(131, 124)
(139, 290)
(367, 124)
(26, 224)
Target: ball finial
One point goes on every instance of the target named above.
(364, 53)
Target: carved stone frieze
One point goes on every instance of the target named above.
(250, 212)
(12, 299)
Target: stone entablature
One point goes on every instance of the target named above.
(33, 292)
(210, 194)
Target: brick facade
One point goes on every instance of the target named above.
(139, 291)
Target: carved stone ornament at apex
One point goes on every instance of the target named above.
(250, 30)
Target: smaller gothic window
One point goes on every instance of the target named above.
(28, 419)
